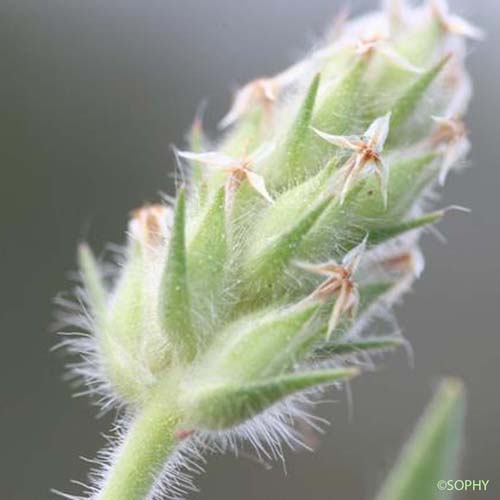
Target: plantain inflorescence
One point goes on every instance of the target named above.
(232, 307)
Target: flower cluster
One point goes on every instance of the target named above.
(236, 306)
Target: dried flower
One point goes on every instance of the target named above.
(339, 283)
(450, 138)
(150, 224)
(366, 158)
(239, 169)
(263, 93)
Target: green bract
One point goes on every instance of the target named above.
(234, 305)
(433, 451)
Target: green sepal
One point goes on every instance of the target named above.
(408, 102)
(207, 261)
(359, 346)
(92, 282)
(287, 164)
(227, 404)
(389, 79)
(338, 109)
(265, 265)
(127, 307)
(259, 344)
(385, 233)
(120, 337)
(130, 342)
(175, 300)
(293, 204)
(432, 453)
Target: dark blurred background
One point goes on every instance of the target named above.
(92, 93)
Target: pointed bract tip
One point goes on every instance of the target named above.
(352, 371)
(83, 246)
(453, 386)
(456, 208)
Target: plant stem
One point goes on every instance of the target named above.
(142, 455)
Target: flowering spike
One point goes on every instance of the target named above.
(219, 308)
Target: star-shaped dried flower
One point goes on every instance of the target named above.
(450, 137)
(367, 150)
(339, 283)
(238, 169)
(262, 92)
(452, 23)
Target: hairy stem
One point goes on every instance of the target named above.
(141, 457)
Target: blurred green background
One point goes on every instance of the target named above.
(92, 94)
